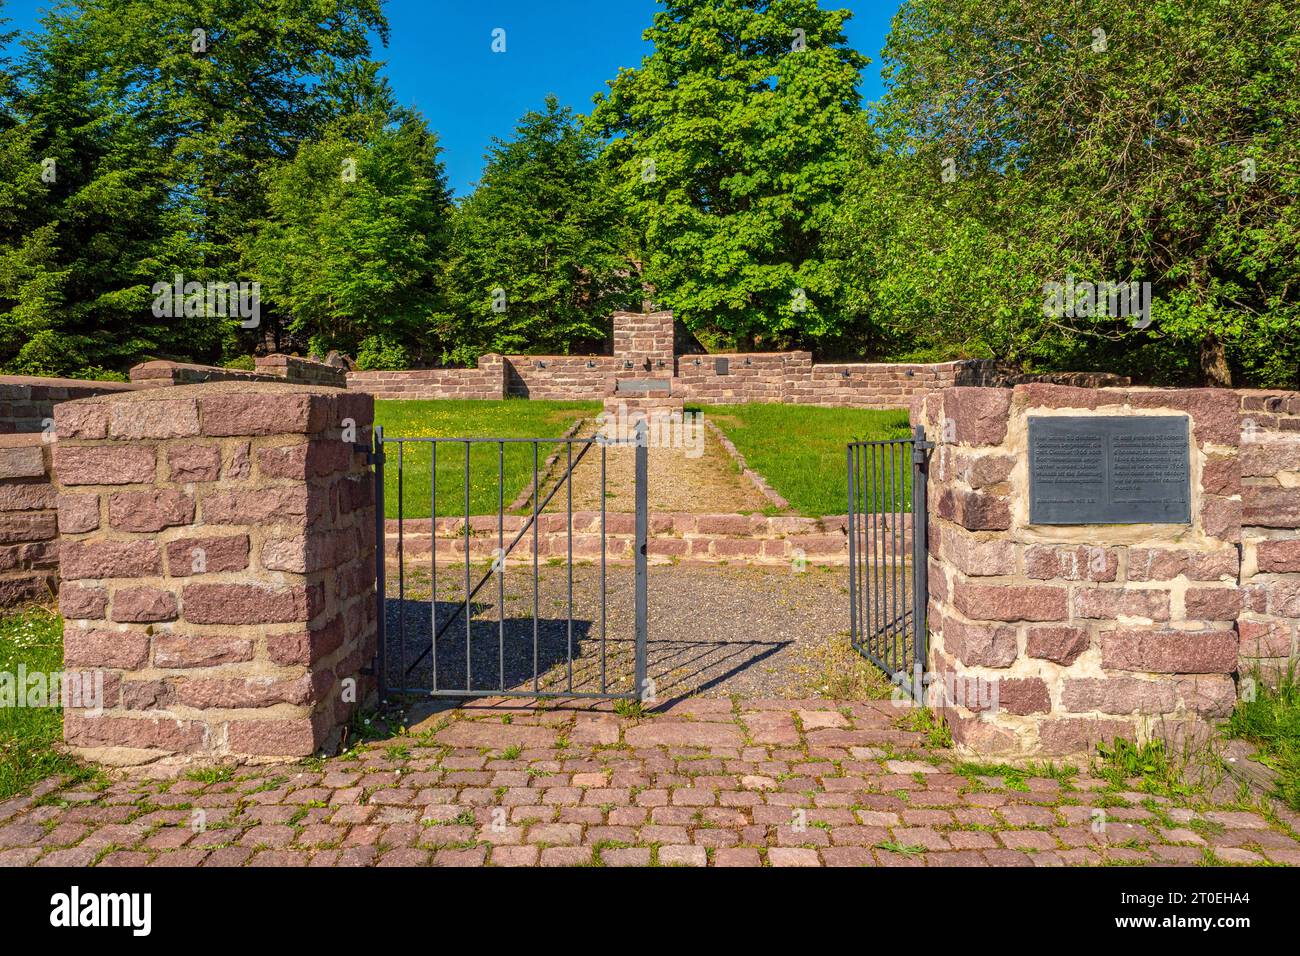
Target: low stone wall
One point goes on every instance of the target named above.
(789, 377)
(697, 538)
(27, 402)
(217, 556)
(739, 379)
(161, 373)
(1054, 637)
(29, 560)
(1270, 534)
(486, 381)
(301, 371)
(574, 378)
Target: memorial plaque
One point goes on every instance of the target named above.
(1099, 469)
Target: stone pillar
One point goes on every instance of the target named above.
(493, 368)
(217, 548)
(1270, 553)
(29, 563)
(1047, 638)
(645, 340)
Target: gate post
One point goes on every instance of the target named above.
(920, 559)
(381, 557)
(217, 567)
(642, 536)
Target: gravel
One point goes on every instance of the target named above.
(713, 630)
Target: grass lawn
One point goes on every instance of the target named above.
(447, 418)
(32, 637)
(800, 449)
(1272, 722)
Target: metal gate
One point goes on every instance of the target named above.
(887, 554)
(472, 642)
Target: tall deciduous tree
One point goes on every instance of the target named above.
(539, 251)
(1109, 140)
(730, 142)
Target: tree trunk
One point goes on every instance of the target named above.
(1214, 363)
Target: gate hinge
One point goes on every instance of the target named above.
(919, 448)
(371, 456)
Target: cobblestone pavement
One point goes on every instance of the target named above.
(710, 781)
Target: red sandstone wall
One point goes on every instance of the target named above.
(27, 402)
(676, 536)
(28, 534)
(217, 554)
(1087, 632)
(575, 378)
(301, 371)
(1270, 535)
(487, 381)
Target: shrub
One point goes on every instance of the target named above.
(377, 353)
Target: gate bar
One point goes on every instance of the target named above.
(381, 545)
(920, 548)
(642, 540)
(523, 531)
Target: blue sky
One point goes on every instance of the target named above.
(439, 59)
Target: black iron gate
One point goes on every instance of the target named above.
(485, 641)
(887, 554)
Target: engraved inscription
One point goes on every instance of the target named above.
(1109, 470)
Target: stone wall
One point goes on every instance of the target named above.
(693, 538)
(739, 379)
(644, 339)
(28, 532)
(217, 556)
(1046, 639)
(27, 403)
(789, 377)
(485, 381)
(161, 373)
(269, 368)
(1270, 534)
(301, 371)
(574, 378)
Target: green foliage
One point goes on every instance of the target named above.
(1114, 159)
(1272, 721)
(544, 227)
(126, 157)
(729, 144)
(355, 227)
(1157, 769)
(377, 352)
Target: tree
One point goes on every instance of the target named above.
(158, 118)
(1107, 141)
(355, 227)
(84, 218)
(730, 143)
(539, 251)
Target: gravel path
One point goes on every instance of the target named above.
(715, 631)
